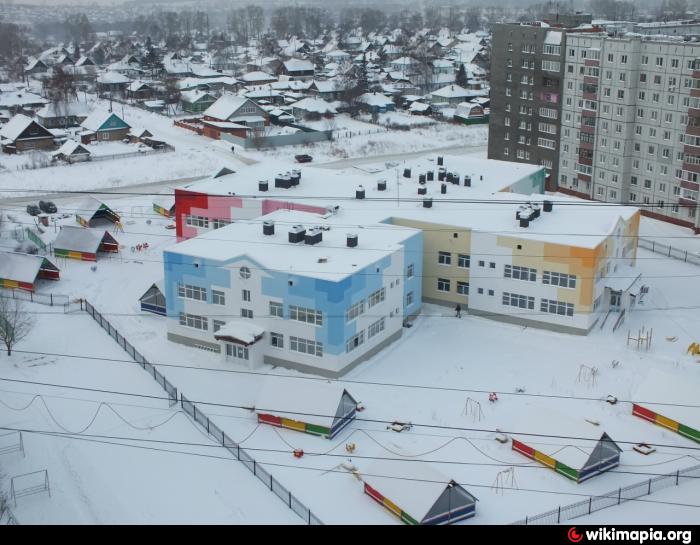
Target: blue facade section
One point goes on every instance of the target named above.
(413, 254)
(530, 184)
(195, 271)
(331, 298)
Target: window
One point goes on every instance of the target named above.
(556, 307)
(196, 221)
(409, 298)
(492, 265)
(277, 340)
(244, 272)
(376, 328)
(246, 313)
(481, 263)
(218, 297)
(276, 309)
(443, 284)
(546, 143)
(308, 315)
(520, 273)
(376, 297)
(355, 341)
(444, 258)
(306, 346)
(246, 295)
(551, 66)
(519, 301)
(235, 351)
(194, 321)
(559, 279)
(463, 288)
(218, 224)
(355, 310)
(191, 292)
(217, 324)
(409, 271)
(463, 261)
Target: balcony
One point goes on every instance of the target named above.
(590, 96)
(694, 186)
(592, 80)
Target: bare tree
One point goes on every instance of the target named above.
(15, 322)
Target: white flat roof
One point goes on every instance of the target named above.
(483, 207)
(329, 260)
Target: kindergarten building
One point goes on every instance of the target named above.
(294, 289)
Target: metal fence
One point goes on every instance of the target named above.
(203, 420)
(670, 251)
(49, 299)
(129, 349)
(614, 497)
(7, 517)
(248, 461)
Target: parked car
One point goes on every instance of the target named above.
(48, 207)
(33, 210)
(303, 158)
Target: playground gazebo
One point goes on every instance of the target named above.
(21, 271)
(83, 244)
(678, 413)
(154, 299)
(89, 213)
(417, 492)
(592, 452)
(318, 408)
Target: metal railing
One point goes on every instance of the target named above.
(670, 251)
(614, 497)
(130, 350)
(49, 299)
(248, 461)
(203, 420)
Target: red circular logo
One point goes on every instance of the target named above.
(573, 535)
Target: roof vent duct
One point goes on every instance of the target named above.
(263, 185)
(296, 234)
(314, 236)
(360, 192)
(381, 185)
(268, 228)
(547, 206)
(352, 240)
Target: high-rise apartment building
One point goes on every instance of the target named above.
(630, 124)
(527, 72)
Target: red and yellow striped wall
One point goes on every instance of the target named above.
(660, 420)
(82, 256)
(391, 506)
(548, 461)
(16, 285)
(288, 423)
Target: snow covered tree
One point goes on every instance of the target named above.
(15, 322)
(461, 79)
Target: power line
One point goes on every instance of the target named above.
(360, 419)
(350, 381)
(111, 440)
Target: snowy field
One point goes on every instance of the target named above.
(437, 376)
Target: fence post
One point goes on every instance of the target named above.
(677, 472)
(525, 520)
(590, 502)
(254, 467)
(51, 294)
(619, 495)
(559, 514)
(686, 256)
(238, 451)
(653, 243)
(207, 424)
(649, 492)
(194, 411)
(290, 499)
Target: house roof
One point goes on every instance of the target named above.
(257, 75)
(314, 104)
(71, 147)
(452, 91)
(64, 109)
(88, 207)
(298, 65)
(195, 96)
(375, 99)
(98, 118)
(112, 78)
(313, 402)
(21, 267)
(413, 485)
(19, 98)
(226, 106)
(14, 128)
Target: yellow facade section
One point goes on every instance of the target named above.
(442, 238)
(391, 506)
(293, 424)
(666, 422)
(546, 460)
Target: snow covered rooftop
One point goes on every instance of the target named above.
(488, 205)
(314, 104)
(78, 239)
(15, 127)
(96, 119)
(451, 91)
(663, 387)
(313, 402)
(20, 267)
(329, 259)
(244, 331)
(112, 78)
(297, 65)
(413, 485)
(257, 76)
(225, 107)
(70, 147)
(64, 109)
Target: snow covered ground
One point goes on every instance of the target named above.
(437, 376)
